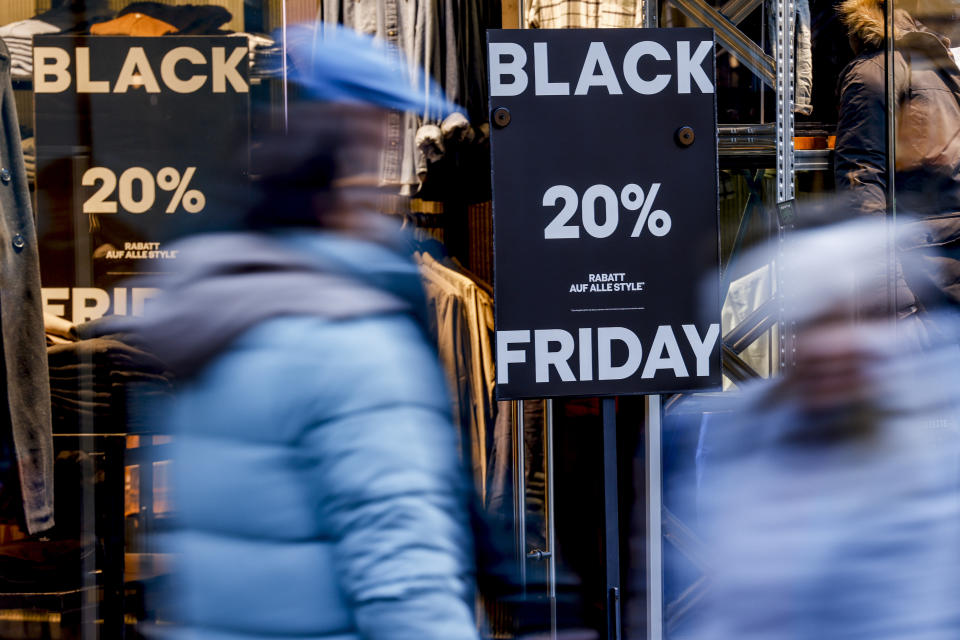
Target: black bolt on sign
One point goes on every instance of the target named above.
(605, 211)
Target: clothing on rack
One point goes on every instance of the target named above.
(803, 53)
(446, 40)
(460, 310)
(501, 499)
(410, 29)
(432, 139)
(460, 314)
(91, 381)
(21, 324)
(149, 19)
(584, 14)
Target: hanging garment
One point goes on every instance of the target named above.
(584, 14)
(441, 45)
(461, 310)
(462, 322)
(445, 317)
(501, 492)
(21, 318)
(498, 490)
(411, 29)
(803, 58)
(133, 24)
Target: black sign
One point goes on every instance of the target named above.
(138, 140)
(605, 211)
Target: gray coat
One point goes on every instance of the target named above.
(27, 379)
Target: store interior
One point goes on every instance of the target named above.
(537, 465)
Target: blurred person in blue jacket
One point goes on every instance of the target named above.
(316, 480)
(829, 500)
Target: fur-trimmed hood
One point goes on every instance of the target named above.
(864, 21)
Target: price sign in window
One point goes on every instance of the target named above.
(605, 211)
(139, 140)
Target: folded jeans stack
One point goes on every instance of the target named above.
(92, 382)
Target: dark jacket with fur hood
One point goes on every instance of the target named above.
(927, 93)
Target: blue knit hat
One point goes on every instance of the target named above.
(335, 64)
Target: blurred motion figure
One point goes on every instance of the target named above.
(829, 498)
(316, 479)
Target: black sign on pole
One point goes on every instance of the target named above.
(605, 211)
(138, 140)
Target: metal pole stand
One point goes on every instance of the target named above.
(611, 509)
(654, 483)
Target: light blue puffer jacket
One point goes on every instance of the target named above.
(316, 479)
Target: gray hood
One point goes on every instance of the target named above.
(226, 283)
